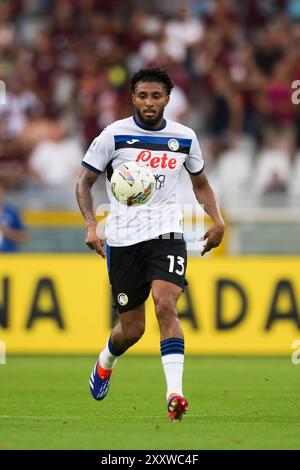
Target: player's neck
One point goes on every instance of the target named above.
(157, 127)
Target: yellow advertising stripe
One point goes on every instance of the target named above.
(67, 218)
(40, 218)
(231, 306)
(53, 218)
(74, 219)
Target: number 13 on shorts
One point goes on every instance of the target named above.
(179, 263)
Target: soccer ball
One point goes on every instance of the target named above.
(132, 184)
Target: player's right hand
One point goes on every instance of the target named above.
(213, 237)
(93, 241)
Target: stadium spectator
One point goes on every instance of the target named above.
(55, 162)
(13, 163)
(225, 115)
(182, 33)
(233, 64)
(44, 61)
(248, 78)
(278, 109)
(19, 104)
(178, 106)
(12, 230)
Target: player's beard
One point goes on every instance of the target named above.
(150, 122)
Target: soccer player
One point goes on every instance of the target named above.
(145, 246)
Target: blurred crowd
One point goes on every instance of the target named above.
(66, 65)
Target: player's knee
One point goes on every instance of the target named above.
(165, 307)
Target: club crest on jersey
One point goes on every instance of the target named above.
(122, 299)
(173, 144)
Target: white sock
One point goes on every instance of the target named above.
(173, 367)
(107, 359)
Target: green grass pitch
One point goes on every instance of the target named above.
(235, 403)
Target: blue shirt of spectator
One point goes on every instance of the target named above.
(10, 218)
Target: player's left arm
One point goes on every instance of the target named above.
(206, 196)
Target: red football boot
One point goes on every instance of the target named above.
(177, 407)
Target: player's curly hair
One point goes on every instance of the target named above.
(152, 75)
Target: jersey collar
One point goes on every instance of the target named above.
(139, 124)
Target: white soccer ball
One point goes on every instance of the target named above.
(132, 184)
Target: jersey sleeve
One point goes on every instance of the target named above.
(99, 152)
(194, 163)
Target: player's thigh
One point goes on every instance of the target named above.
(165, 295)
(167, 262)
(127, 274)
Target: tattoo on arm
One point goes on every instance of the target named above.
(84, 194)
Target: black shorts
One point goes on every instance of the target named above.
(132, 268)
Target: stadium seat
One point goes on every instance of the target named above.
(269, 163)
(245, 145)
(294, 186)
(233, 171)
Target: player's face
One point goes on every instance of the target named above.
(150, 100)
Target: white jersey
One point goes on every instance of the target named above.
(165, 151)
